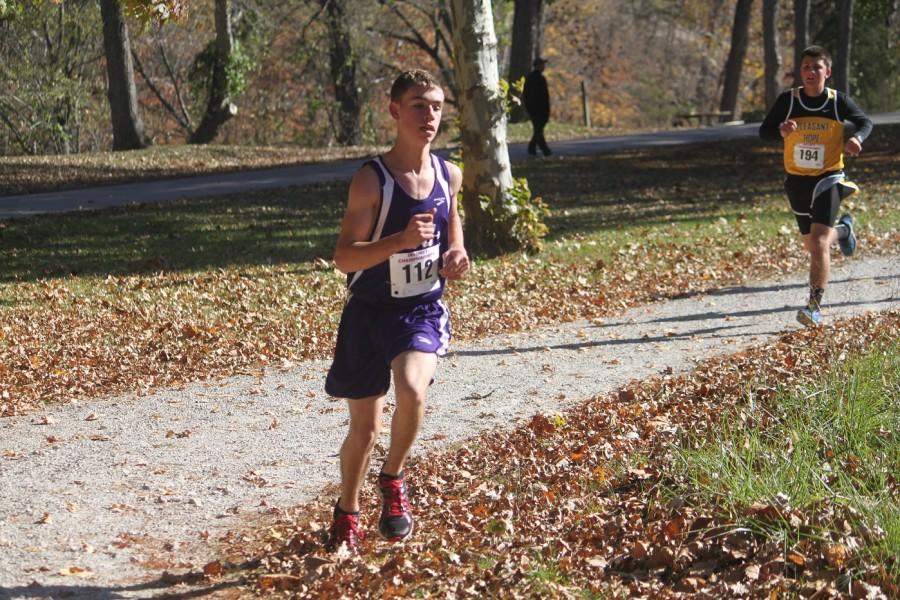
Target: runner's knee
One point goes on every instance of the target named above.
(365, 434)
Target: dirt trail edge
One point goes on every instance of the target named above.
(98, 497)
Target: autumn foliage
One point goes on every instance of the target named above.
(580, 503)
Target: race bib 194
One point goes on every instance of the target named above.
(809, 156)
(414, 273)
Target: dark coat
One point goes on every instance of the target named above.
(536, 97)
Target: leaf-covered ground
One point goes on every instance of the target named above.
(124, 300)
(587, 504)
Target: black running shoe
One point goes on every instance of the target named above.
(396, 522)
(848, 244)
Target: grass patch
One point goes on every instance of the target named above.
(555, 131)
(816, 460)
(131, 298)
(29, 174)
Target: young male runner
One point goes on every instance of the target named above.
(400, 238)
(810, 121)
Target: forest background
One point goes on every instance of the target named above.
(642, 62)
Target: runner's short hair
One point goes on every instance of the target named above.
(817, 52)
(410, 79)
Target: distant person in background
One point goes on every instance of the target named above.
(810, 121)
(536, 96)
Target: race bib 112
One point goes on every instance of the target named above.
(414, 273)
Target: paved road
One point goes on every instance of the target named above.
(236, 182)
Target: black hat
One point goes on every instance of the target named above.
(539, 61)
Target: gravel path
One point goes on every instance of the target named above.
(129, 487)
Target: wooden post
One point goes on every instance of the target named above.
(586, 106)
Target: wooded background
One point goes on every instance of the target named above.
(316, 72)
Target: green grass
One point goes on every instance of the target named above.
(830, 450)
(555, 131)
(215, 286)
(28, 174)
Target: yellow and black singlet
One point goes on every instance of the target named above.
(817, 146)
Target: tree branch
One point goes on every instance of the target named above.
(12, 127)
(171, 109)
(171, 72)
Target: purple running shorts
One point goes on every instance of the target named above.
(370, 336)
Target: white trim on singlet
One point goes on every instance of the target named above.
(444, 342)
(817, 109)
(439, 177)
(387, 195)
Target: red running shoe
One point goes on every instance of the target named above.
(396, 522)
(344, 530)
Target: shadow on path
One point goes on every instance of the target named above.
(176, 587)
(709, 332)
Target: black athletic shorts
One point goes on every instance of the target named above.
(817, 199)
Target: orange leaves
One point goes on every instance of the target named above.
(139, 332)
(836, 555)
(75, 571)
(278, 582)
(212, 569)
(541, 425)
(579, 496)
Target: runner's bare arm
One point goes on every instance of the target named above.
(455, 259)
(354, 251)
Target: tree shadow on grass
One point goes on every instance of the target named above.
(296, 225)
(293, 225)
(691, 182)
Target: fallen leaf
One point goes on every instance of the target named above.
(212, 569)
(279, 582)
(796, 558)
(639, 550)
(626, 396)
(836, 556)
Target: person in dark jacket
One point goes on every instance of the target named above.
(536, 97)
(809, 121)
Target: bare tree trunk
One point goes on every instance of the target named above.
(735, 64)
(771, 51)
(127, 126)
(343, 73)
(801, 35)
(482, 122)
(842, 60)
(526, 44)
(219, 107)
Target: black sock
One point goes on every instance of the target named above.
(338, 509)
(843, 232)
(815, 297)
